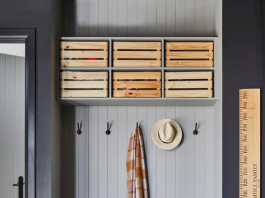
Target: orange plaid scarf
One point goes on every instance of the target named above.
(135, 163)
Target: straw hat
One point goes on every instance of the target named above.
(166, 134)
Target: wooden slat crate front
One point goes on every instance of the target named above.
(188, 84)
(84, 54)
(136, 84)
(83, 84)
(137, 54)
(189, 54)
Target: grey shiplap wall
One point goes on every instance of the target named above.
(136, 18)
(12, 123)
(94, 164)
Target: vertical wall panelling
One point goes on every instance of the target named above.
(93, 133)
(12, 123)
(209, 17)
(187, 171)
(161, 161)
(209, 131)
(132, 17)
(141, 17)
(93, 18)
(113, 153)
(122, 17)
(122, 151)
(170, 161)
(102, 153)
(161, 17)
(199, 155)
(83, 153)
(199, 17)
(103, 17)
(10, 133)
(171, 17)
(113, 18)
(180, 17)
(151, 151)
(180, 155)
(82, 13)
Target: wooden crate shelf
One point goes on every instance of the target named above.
(136, 84)
(136, 54)
(84, 54)
(189, 84)
(189, 54)
(83, 84)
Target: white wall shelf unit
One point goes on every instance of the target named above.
(161, 101)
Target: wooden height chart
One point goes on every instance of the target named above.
(249, 143)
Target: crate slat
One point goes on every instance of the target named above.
(136, 84)
(137, 93)
(189, 55)
(137, 75)
(136, 55)
(137, 63)
(84, 45)
(137, 45)
(84, 84)
(189, 63)
(188, 84)
(84, 63)
(84, 93)
(84, 54)
(83, 75)
(188, 75)
(189, 46)
(188, 93)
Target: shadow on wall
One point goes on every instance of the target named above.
(138, 18)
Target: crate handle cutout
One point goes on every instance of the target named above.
(84, 54)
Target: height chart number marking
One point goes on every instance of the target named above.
(249, 143)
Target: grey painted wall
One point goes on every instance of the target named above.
(94, 164)
(140, 18)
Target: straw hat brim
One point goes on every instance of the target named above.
(177, 139)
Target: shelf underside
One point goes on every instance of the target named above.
(138, 101)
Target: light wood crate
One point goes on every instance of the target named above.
(84, 54)
(189, 84)
(83, 84)
(136, 54)
(136, 84)
(189, 54)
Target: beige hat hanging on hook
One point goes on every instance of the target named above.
(167, 134)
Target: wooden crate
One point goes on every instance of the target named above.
(136, 84)
(188, 84)
(83, 84)
(137, 54)
(84, 54)
(189, 54)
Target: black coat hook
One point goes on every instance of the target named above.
(108, 128)
(79, 126)
(137, 124)
(195, 132)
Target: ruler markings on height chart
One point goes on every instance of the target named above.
(249, 143)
